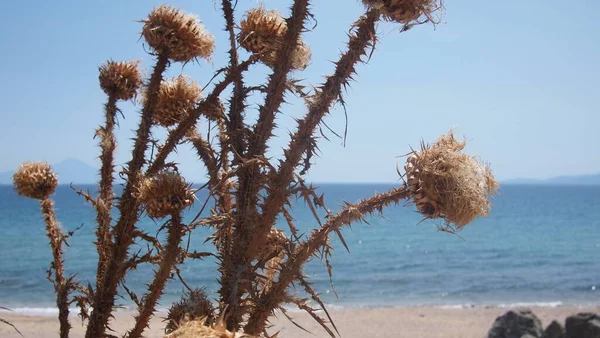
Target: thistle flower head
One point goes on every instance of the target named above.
(193, 305)
(407, 11)
(300, 56)
(175, 99)
(447, 183)
(199, 328)
(121, 79)
(35, 180)
(215, 111)
(165, 193)
(262, 31)
(180, 35)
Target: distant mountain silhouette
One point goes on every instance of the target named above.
(69, 171)
(559, 180)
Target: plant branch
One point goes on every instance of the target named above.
(61, 285)
(249, 180)
(155, 289)
(208, 104)
(292, 267)
(206, 153)
(104, 296)
(235, 126)
(104, 202)
(363, 38)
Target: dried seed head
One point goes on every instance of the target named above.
(215, 112)
(121, 79)
(35, 180)
(175, 99)
(193, 305)
(199, 328)
(407, 11)
(180, 35)
(300, 56)
(262, 31)
(165, 194)
(446, 183)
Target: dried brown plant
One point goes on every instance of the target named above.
(408, 12)
(37, 180)
(194, 305)
(446, 183)
(120, 80)
(176, 98)
(199, 328)
(257, 260)
(262, 32)
(168, 30)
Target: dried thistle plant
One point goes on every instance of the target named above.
(199, 328)
(176, 98)
(168, 30)
(408, 12)
(194, 305)
(262, 32)
(257, 261)
(446, 183)
(120, 79)
(37, 180)
(164, 194)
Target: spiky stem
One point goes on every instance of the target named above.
(155, 289)
(235, 126)
(363, 38)
(104, 203)
(206, 153)
(184, 126)
(249, 177)
(104, 296)
(291, 268)
(60, 283)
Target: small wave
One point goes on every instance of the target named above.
(532, 304)
(504, 305)
(53, 311)
(34, 311)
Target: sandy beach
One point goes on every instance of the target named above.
(411, 322)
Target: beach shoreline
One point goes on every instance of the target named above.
(414, 321)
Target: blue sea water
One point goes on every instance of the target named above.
(539, 245)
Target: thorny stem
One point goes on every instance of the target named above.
(104, 202)
(232, 140)
(104, 296)
(235, 127)
(291, 268)
(156, 288)
(60, 283)
(248, 186)
(182, 128)
(249, 178)
(207, 154)
(363, 38)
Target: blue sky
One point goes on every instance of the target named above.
(519, 79)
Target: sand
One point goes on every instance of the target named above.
(414, 322)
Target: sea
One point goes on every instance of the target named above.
(540, 245)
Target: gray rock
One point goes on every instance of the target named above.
(554, 330)
(583, 325)
(520, 323)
